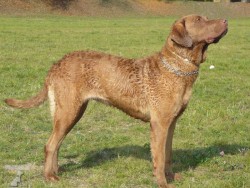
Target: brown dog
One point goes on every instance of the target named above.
(155, 89)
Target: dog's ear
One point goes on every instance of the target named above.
(180, 35)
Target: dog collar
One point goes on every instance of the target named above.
(177, 71)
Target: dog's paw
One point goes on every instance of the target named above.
(166, 186)
(170, 186)
(173, 176)
(51, 178)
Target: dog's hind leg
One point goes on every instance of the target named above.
(67, 113)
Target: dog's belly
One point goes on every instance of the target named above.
(134, 109)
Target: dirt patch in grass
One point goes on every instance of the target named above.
(114, 8)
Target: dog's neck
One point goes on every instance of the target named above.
(194, 55)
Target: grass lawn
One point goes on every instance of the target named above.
(107, 148)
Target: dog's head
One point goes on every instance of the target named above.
(193, 29)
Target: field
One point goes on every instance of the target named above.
(107, 148)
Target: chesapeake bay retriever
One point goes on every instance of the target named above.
(155, 89)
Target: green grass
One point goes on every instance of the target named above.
(108, 148)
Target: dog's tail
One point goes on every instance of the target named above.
(29, 103)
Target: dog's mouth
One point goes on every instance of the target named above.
(211, 40)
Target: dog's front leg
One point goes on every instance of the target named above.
(159, 130)
(168, 150)
(169, 153)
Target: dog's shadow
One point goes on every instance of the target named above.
(184, 159)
